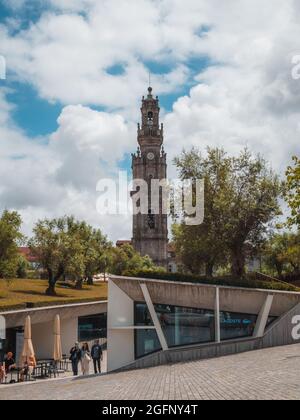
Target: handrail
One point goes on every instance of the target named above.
(272, 278)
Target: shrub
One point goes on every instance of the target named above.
(245, 282)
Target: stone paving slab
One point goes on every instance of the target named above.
(271, 374)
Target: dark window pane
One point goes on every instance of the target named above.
(235, 325)
(92, 327)
(186, 326)
(181, 326)
(271, 319)
(146, 342)
(142, 315)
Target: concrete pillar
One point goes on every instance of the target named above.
(263, 317)
(160, 333)
(217, 317)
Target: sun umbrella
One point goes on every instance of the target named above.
(28, 351)
(57, 354)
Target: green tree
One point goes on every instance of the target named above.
(10, 238)
(291, 255)
(273, 251)
(51, 245)
(22, 268)
(293, 192)
(94, 248)
(126, 260)
(282, 253)
(68, 248)
(202, 246)
(241, 199)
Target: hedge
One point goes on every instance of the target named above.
(245, 282)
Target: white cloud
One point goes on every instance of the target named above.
(49, 179)
(247, 98)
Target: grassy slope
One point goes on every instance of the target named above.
(17, 293)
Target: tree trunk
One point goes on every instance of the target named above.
(78, 285)
(209, 269)
(279, 269)
(53, 280)
(51, 286)
(238, 263)
(90, 281)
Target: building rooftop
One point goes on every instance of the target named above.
(21, 294)
(27, 254)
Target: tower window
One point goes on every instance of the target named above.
(151, 220)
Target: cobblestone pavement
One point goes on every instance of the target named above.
(264, 374)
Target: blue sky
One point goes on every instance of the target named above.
(38, 116)
(77, 70)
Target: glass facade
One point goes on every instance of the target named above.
(181, 327)
(187, 326)
(146, 341)
(236, 325)
(92, 327)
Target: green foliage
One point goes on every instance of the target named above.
(282, 254)
(293, 192)
(10, 239)
(250, 282)
(66, 247)
(126, 260)
(241, 199)
(22, 268)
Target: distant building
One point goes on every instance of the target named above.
(172, 260)
(121, 243)
(29, 257)
(149, 163)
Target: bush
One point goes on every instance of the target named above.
(290, 278)
(22, 268)
(245, 282)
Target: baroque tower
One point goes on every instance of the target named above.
(150, 231)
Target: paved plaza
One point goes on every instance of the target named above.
(265, 374)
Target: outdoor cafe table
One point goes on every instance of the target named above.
(42, 368)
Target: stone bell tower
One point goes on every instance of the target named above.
(150, 231)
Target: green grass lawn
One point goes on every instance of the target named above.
(19, 294)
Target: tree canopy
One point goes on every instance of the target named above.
(125, 260)
(282, 253)
(10, 238)
(241, 199)
(69, 248)
(293, 192)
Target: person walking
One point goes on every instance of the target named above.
(97, 356)
(85, 359)
(2, 373)
(75, 357)
(9, 363)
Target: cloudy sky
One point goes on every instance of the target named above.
(76, 71)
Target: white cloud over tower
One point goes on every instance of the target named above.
(246, 97)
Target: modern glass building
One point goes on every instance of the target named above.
(152, 322)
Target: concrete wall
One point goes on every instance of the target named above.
(186, 354)
(42, 320)
(120, 347)
(43, 315)
(285, 331)
(124, 291)
(43, 340)
(240, 300)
